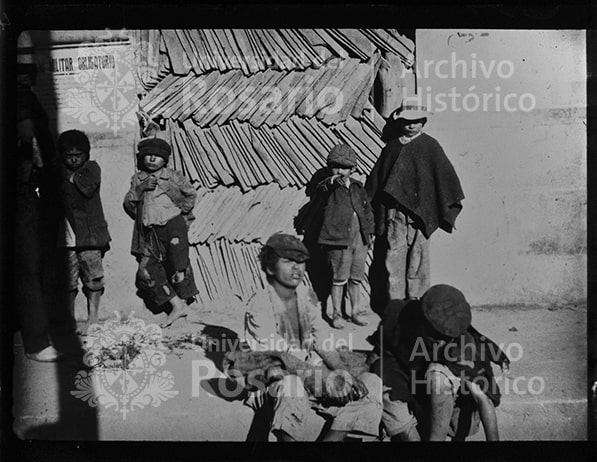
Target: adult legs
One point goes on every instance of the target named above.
(28, 272)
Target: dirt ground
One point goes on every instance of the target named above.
(543, 399)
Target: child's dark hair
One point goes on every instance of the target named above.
(268, 258)
(73, 139)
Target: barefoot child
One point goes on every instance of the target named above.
(161, 200)
(86, 236)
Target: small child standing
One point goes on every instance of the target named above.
(161, 201)
(86, 236)
(346, 229)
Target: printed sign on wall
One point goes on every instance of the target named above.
(90, 86)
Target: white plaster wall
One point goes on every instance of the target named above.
(521, 237)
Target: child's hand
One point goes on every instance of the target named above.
(505, 367)
(149, 184)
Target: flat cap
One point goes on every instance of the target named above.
(447, 310)
(287, 246)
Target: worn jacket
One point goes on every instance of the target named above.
(268, 328)
(83, 207)
(339, 203)
(178, 188)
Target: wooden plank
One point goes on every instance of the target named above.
(176, 53)
(282, 138)
(260, 150)
(281, 88)
(285, 53)
(292, 89)
(259, 168)
(212, 150)
(277, 154)
(161, 91)
(211, 47)
(188, 48)
(235, 164)
(248, 108)
(262, 101)
(273, 60)
(203, 54)
(332, 43)
(194, 52)
(243, 95)
(303, 145)
(351, 91)
(303, 36)
(236, 58)
(359, 40)
(243, 43)
(319, 148)
(308, 106)
(300, 51)
(233, 88)
(187, 102)
(246, 163)
(204, 112)
(223, 47)
(258, 49)
(338, 82)
(202, 150)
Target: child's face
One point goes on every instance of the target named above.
(153, 163)
(411, 127)
(288, 273)
(343, 171)
(74, 158)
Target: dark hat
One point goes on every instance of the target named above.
(447, 310)
(155, 146)
(343, 155)
(287, 246)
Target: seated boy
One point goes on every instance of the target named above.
(161, 200)
(345, 231)
(432, 343)
(85, 234)
(285, 317)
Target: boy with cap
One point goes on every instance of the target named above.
(346, 229)
(431, 342)
(285, 316)
(414, 190)
(84, 230)
(161, 201)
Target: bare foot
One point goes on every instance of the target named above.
(177, 312)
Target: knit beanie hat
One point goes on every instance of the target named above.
(447, 310)
(342, 155)
(155, 146)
